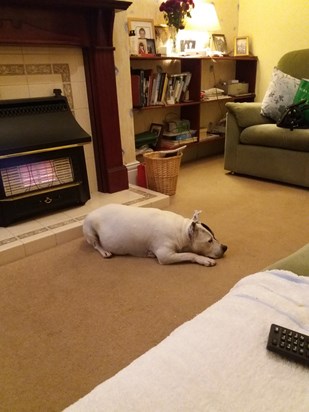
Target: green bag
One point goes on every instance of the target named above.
(301, 94)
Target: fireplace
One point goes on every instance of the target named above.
(42, 162)
(87, 24)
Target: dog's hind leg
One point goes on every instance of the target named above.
(93, 240)
(102, 252)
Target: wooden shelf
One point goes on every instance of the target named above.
(200, 113)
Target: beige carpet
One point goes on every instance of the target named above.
(70, 319)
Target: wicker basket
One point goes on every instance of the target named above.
(162, 172)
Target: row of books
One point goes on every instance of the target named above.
(161, 88)
(171, 140)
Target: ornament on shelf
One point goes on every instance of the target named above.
(175, 14)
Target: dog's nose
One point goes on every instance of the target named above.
(224, 248)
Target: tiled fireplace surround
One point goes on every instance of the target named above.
(34, 72)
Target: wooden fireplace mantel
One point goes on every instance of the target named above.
(87, 24)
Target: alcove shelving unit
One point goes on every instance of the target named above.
(206, 72)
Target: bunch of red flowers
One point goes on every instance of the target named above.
(176, 12)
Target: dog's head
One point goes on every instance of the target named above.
(203, 240)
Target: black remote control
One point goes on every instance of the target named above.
(289, 343)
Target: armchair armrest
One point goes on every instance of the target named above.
(239, 116)
(247, 114)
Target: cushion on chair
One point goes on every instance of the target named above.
(279, 95)
(272, 136)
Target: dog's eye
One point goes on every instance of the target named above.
(210, 240)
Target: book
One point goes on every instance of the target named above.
(178, 136)
(139, 79)
(161, 85)
(168, 143)
(144, 138)
(163, 96)
(178, 84)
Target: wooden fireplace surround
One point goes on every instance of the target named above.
(87, 24)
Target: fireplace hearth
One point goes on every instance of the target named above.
(42, 162)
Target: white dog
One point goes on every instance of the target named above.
(149, 232)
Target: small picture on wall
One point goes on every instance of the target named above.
(241, 46)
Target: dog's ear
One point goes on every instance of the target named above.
(191, 230)
(196, 216)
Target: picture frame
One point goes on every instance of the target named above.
(151, 46)
(142, 47)
(144, 28)
(162, 36)
(241, 46)
(219, 43)
(187, 45)
(156, 128)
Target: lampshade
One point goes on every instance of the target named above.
(204, 17)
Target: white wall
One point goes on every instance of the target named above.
(274, 27)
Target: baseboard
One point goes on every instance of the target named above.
(132, 172)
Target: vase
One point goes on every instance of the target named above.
(173, 35)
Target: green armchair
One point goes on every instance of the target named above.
(255, 146)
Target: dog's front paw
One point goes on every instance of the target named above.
(106, 254)
(206, 261)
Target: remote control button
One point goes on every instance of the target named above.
(289, 343)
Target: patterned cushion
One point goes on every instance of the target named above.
(279, 95)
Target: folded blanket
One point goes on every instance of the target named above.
(218, 361)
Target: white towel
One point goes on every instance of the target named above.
(218, 362)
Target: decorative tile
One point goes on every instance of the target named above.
(12, 69)
(64, 70)
(41, 69)
(38, 69)
(57, 228)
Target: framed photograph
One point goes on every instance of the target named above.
(142, 46)
(144, 28)
(157, 129)
(162, 35)
(151, 46)
(219, 43)
(186, 45)
(241, 46)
